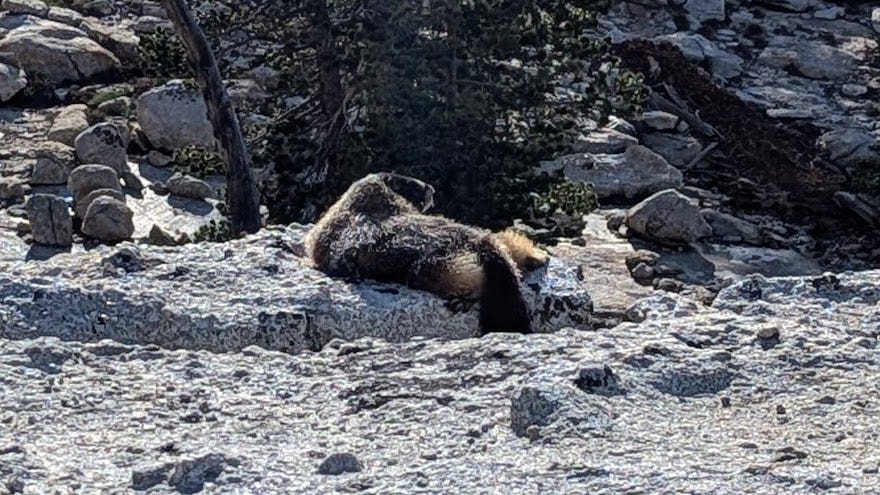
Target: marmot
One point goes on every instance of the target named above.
(378, 230)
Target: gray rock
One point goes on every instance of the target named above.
(636, 172)
(190, 476)
(50, 220)
(678, 150)
(159, 159)
(32, 7)
(115, 107)
(118, 39)
(12, 80)
(704, 10)
(82, 205)
(55, 52)
(11, 188)
(729, 227)
(102, 144)
(108, 219)
(642, 272)
(698, 48)
(668, 217)
(189, 187)
(98, 8)
(658, 121)
(853, 90)
(812, 59)
(340, 463)
(69, 123)
(54, 161)
(875, 19)
(87, 178)
(850, 147)
(193, 299)
(174, 116)
(793, 5)
(555, 408)
(859, 205)
(434, 415)
(604, 141)
(64, 16)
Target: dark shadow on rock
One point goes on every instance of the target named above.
(194, 206)
(43, 253)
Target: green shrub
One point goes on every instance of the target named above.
(198, 162)
(162, 55)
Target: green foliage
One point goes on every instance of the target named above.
(214, 231)
(866, 179)
(162, 55)
(560, 209)
(468, 96)
(101, 97)
(198, 162)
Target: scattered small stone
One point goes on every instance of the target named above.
(50, 220)
(11, 188)
(642, 272)
(87, 178)
(340, 463)
(102, 144)
(190, 476)
(159, 159)
(82, 206)
(668, 217)
(146, 477)
(108, 219)
(780, 409)
(118, 106)
(533, 433)
(12, 80)
(641, 256)
(668, 284)
(189, 187)
(768, 333)
(827, 400)
(32, 7)
(69, 123)
(160, 237)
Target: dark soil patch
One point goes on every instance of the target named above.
(765, 165)
(763, 159)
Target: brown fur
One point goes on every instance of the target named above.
(377, 230)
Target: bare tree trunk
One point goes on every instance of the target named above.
(241, 189)
(325, 53)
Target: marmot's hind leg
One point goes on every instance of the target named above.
(502, 306)
(457, 277)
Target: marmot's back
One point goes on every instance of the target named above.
(376, 230)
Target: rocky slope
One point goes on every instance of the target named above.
(771, 390)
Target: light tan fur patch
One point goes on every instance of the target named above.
(523, 250)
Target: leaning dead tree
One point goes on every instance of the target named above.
(241, 189)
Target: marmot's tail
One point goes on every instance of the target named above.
(502, 307)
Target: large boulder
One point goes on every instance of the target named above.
(771, 389)
(86, 178)
(637, 172)
(12, 80)
(174, 115)
(102, 144)
(69, 123)
(668, 217)
(50, 220)
(254, 291)
(54, 52)
(108, 219)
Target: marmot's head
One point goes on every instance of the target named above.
(418, 193)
